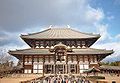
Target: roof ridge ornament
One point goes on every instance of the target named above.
(50, 26)
(68, 26)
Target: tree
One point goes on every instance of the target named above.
(4, 56)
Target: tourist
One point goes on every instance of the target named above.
(69, 81)
(45, 81)
(55, 81)
(66, 80)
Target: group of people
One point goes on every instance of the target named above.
(65, 79)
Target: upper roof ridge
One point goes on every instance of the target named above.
(59, 27)
(56, 32)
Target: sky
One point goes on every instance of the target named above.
(28, 16)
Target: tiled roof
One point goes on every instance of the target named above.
(60, 33)
(44, 51)
(106, 67)
(30, 51)
(91, 51)
(93, 69)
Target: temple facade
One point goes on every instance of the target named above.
(59, 51)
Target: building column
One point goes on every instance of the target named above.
(54, 69)
(43, 64)
(66, 64)
(23, 62)
(32, 64)
(66, 69)
(77, 63)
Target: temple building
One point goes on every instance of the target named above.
(59, 51)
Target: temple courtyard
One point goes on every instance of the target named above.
(37, 78)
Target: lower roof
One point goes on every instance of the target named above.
(46, 51)
(107, 67)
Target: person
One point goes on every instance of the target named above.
(55, 81)
(44, 81)
(69, 81)
(59, 80)
(87, 81)
(74, 81)
(79, 81)
(62, 81)
(66, 80)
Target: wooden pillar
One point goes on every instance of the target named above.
(54, 69)
(23, 63)
(43, 64)
(54, 63)
(67, 64)
(88, 61)
(71, 58)
(83, 59)
(77, 64)
(32, 64)
(49, 59)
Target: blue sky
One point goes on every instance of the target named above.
(29, 16)
(111, 9)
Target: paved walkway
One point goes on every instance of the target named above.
(61, 79)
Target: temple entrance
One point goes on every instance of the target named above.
(60, 69)
(49, 69)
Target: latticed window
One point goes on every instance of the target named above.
(27, 71)
(47, 43)
(41, 43)
(57, 42)
(74, 58)
(37, 44)
(86, 66)
(51, 59)
(68, 43)
(81, 59)
(40, 59)
(91, 59)
(83, 43)
(73, 68)
(72, 43)
(37, 68)
(48, 68)
(78, 43)
(35, 60)
(28, 59)
(83, 67)
(69, 58)
(46, 59)
(86, 58)
(52, 43)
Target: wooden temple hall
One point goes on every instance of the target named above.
(59, 51)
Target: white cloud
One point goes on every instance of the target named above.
(115, 46)
(117, 36)
(16, 15)
(94, 15)
(102, 30)
(108, 42)
(37, 13)
(29, 16)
